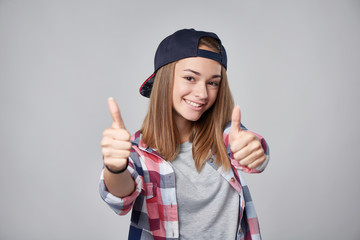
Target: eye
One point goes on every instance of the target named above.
(189, 78)
(214, 84)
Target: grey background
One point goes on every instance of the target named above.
(294, 69)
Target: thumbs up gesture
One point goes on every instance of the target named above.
(115, 144)
(244, 145)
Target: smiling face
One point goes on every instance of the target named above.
(196, 85)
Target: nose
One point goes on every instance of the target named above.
(201, 90)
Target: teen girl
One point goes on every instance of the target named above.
(180, 174)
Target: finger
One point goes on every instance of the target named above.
(235, 121)
(113, 153)
(244, 139)
(242, 153)
(108, 142)
(254, 156)
(246, 150)
(118, 134)
(257, 162)
(115, 114)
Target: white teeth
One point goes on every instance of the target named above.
(192, 103)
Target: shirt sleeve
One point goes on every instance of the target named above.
(122, 205)
(236, 163)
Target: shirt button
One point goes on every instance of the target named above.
(232, 179)
(211, 160)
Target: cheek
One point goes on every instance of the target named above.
(213, 96)
(175, 94)
(179, 91)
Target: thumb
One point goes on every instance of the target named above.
(115, 114)
(235, 121)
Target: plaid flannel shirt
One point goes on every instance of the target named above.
(154, 204)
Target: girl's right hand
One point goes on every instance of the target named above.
(115, 144)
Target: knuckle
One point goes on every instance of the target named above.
(105, 152)
(251, 137)
(129, 145)
(109, 161)
(106, 161)
(127, 135)
(106, 132)
(103, 141)
(255, 145)
(260, 159)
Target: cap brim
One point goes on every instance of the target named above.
(146, 87)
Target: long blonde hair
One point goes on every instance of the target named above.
(159, 130)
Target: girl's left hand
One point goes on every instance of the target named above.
(245, 146)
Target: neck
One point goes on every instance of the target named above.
(184, 127)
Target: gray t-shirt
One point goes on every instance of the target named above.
(208, 206)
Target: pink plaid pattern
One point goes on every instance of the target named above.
(154, 204)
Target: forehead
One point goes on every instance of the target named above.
(199, 64)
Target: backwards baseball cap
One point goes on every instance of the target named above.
(182, 44)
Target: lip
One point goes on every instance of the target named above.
(197, 108)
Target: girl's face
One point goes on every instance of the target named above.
(196, 84)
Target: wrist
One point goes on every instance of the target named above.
(118, 171)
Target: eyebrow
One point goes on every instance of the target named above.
(198, 74)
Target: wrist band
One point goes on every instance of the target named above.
(122, 170)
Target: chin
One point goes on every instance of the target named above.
(193, 118)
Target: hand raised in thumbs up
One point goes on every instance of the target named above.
(115, 143)
(245, 146)
(116, 146)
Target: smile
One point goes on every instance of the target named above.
(193, 103)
